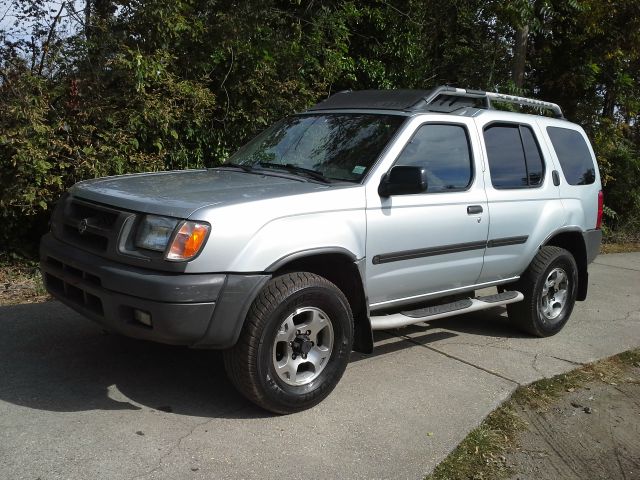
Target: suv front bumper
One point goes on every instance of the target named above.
(198, 310)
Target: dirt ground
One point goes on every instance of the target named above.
(21, 282)
(592, 432)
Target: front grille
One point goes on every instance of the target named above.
(89, 240)
(73, 285)
(88, 225)
(103, 217)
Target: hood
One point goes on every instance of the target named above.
(180, 193)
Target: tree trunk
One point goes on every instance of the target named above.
(98, 16)
(87, 20)
(608, 108)
(520, 55)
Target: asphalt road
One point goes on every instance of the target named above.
(77, 404)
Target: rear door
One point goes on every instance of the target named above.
(421, 244)
(524, 203)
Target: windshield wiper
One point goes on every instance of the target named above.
(290, 167)
(246, 168)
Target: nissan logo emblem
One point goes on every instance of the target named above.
(82, 227)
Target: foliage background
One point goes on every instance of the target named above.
(101, 87)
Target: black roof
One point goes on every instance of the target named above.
(374, 99)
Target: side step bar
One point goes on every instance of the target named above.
(402, 319)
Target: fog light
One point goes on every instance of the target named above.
(142, 317)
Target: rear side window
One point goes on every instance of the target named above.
(443, 150)
(574, 155)
(514, 157)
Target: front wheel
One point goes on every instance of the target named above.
(549, 287)
(295, 343)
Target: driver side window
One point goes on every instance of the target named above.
(444, 151)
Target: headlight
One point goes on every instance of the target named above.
(189, 240)
(180, 240)
(154, 232)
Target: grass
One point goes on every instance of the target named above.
(622, 247)
(20, 281)
(481, 455)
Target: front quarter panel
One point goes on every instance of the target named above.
(254, 236)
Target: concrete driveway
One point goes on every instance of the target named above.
(77, 404)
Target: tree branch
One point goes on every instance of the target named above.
(47, 43)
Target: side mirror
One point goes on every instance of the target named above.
(403, 180)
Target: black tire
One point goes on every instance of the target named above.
(529, 315)
(250, 363)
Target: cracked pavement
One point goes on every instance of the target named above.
(78, 404)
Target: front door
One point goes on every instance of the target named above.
(424, 244)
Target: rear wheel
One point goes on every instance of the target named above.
(549, 287)
(295, 344)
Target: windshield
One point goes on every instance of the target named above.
(340, 146)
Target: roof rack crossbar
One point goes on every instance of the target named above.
(488, 97)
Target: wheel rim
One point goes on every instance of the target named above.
(554, 295)
(302, 346)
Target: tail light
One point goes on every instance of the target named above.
(600, 207)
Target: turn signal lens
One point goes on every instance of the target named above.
(189, 240)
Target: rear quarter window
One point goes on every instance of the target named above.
(574, 155)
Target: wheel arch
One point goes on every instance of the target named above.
(341, 268)
(573, 241)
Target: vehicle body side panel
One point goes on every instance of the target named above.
(252, 237)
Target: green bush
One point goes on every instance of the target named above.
(54, 134)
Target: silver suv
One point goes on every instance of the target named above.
(372, 210)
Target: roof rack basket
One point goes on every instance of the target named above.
(487, 98)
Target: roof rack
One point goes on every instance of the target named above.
(438, 100)
(441, 99)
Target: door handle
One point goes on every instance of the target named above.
(473, 209)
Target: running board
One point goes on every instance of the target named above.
(402, 319)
